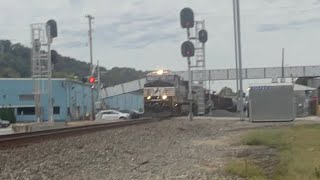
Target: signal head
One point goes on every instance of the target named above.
(186, 18)
(92, 80)
(203, 36)
(187, 49)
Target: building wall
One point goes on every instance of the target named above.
(78, 103)
(71, 99)
(125, 101)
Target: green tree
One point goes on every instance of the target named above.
(15, 61)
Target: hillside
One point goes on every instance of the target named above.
(15, 63)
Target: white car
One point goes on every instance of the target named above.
(112, 115)
(4, 123)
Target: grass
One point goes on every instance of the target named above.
(263, 137)
(298, 151)
(245, 169)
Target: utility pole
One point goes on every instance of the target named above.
(91, 64)
(236, 47)
(236, 12)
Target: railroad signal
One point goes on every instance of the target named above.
(203, 36)
(186, 18)
(92, 80)
(53, 28)
(187, 49)
(54, 57)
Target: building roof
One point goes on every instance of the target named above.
(270, 84)
(28, 79)
(298, 87)
(53, 79)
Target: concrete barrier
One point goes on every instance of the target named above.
(21, 128)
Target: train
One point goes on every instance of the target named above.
(166, 93)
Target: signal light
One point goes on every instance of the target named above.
(54, 57)
(203, 36)
(187, 49)
(92, 80)
(52, 24)
(186, 18)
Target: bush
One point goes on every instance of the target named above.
(8, 114)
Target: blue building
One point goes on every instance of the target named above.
(71, 99)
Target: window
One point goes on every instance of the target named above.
(26, 111)
(56, 110)
(170, 78)
(26, 97)
(152, 78)
(109, 112)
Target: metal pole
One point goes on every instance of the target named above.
(282, 63)
(50, 110)
(282, 68)
(91, 65)
(190, 83)
(240, 58)
(99, 83)
(190, 90)
(236, 45)
(210, 103)
(50, 107)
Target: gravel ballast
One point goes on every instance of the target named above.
(170, 149)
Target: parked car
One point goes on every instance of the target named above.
(4, 123)
(111, 115)
(134, 114)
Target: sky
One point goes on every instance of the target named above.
(146, 34)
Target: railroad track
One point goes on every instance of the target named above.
(23, 139)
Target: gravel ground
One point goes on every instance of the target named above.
(171, 149)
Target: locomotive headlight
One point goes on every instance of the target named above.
(149, 97)
(164, 97)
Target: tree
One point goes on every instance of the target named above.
(15, 61)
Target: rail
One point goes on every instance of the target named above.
(21, 139)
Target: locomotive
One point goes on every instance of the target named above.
(166, 93)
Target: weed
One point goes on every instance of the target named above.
(245, 169)
(317, 172)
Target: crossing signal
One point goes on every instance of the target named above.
(186, 18)
(203, 36)
(187, 49)
(92, 80)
